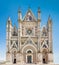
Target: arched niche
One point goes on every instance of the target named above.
(13, 55)
(45, 56)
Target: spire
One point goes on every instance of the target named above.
(15, 31)
(14, 26)
(39, 13)
(49, 20)
(9, 21)
(19, 14)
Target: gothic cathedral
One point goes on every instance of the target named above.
(29, 43)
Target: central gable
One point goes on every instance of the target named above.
(29, 16)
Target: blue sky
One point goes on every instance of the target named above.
(10, 8)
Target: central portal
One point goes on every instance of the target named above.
(29, 54)
(29, 59)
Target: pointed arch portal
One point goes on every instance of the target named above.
(29, 53)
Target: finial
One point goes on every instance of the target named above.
(39, 9)
(19, 10)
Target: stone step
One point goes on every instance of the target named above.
(27, 64)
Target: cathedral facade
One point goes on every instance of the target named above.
(29, 43)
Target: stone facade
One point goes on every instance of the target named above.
(29, 43)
